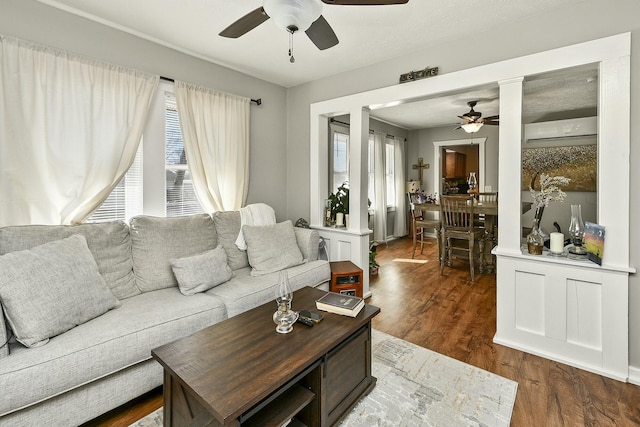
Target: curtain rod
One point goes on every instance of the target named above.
(169, 79)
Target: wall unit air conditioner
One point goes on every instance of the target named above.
(570, 128)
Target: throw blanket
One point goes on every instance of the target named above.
(255, 214)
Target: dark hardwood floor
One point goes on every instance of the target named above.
(453, 316)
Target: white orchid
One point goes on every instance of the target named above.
(549, 190)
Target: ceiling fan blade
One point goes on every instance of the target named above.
(245, 24)
(492, 118)
(467, 118)
(364, 2)
(321, 34)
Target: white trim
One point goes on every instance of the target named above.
(613, 56)
(634, 375)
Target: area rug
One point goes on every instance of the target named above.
(418, 387)
(414, 261)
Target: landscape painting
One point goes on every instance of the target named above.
(579, 163)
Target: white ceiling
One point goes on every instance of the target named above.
(367, 34)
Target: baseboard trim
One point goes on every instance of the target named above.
(634, 375)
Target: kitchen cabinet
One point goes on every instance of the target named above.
(455, 165)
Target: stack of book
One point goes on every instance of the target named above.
(346, 305)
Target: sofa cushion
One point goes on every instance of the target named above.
(271, 248)
(52, 288)
(110, 343)
(244, 291)
(157, 240)
(201, 272)
(109, 242)
(228, 228)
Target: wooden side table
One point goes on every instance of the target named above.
(346, 278)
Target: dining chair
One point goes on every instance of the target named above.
(482, 198)
(456, 216)
(419, 224)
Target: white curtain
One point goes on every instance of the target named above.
(400, 224)
(69, 130)
(380, 206)
(215, 131)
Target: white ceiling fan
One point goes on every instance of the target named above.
(298, 15)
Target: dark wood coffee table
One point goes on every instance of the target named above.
(241, 372)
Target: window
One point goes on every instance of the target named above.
(180, 195)
(125, 201)
(339, 160)
(390, 174)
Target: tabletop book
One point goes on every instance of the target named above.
(346, 305)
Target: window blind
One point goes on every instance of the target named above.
(180, 195)
(125, 201)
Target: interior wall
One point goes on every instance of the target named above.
(422, 146)
(33, 21)
(564, 26)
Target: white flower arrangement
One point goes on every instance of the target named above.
(549, 190)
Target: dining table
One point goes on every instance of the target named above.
(490, 211)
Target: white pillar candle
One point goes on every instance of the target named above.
(557, 243)
(339, 219)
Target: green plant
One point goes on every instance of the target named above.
(340, 200)
(372, 255)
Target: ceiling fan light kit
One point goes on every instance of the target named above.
(293, 13)
(471, 127)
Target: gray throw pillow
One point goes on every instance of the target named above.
(156, 240)
(52, 288)
(201, 272)
(271, 248)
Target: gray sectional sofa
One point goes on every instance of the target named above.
(154, 270)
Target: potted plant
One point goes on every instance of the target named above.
(340, 204)
(373, 264)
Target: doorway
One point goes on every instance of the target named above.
(474, 149)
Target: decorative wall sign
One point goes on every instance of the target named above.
(417, 75)
(576, 162)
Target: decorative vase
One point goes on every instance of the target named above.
(284, 317)
(538, 216)
(535, 240)
(327, 213)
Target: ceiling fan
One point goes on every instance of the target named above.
(474, 120)
(298, 15)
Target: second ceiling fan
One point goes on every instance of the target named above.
(298, 15)
(474, 120)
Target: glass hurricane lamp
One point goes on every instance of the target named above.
(284, 317)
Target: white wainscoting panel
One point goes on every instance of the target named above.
(574, 312)
(346, 245)
(529, 300)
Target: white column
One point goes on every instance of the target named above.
(510, 161)
(358, 173)
(319, 167)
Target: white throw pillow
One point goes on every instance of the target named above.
(271, 248)
(201, 272)
(52, 288)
